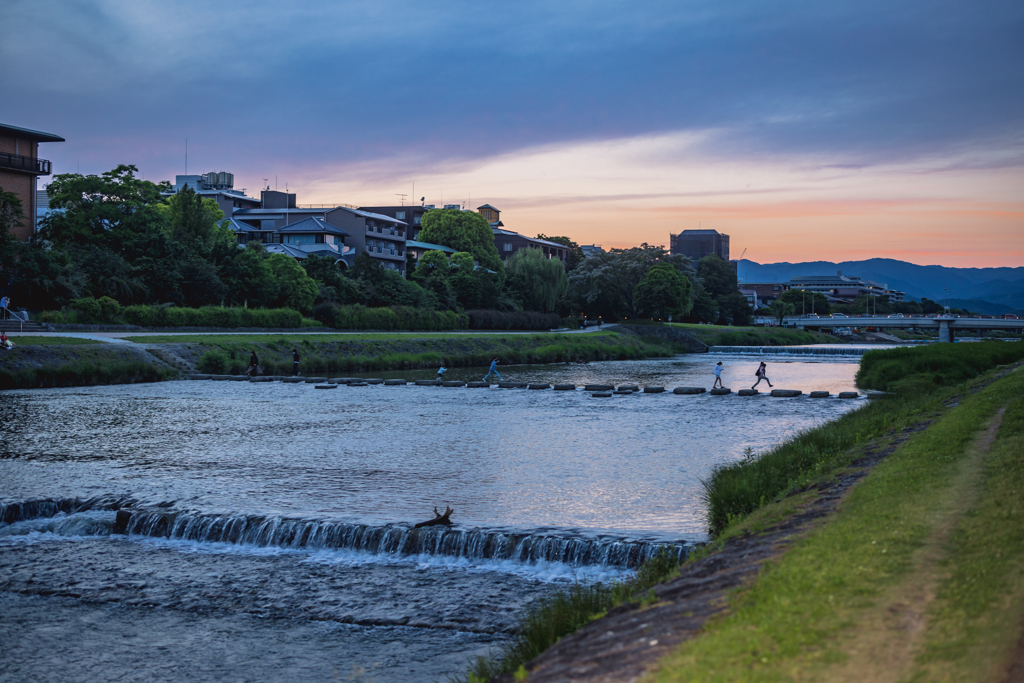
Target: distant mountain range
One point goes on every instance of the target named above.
(1001, 288)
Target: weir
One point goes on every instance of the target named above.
(788, 350)
(475, 544)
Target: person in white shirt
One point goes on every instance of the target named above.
(718, 376)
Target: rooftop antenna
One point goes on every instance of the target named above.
(403, 196)
(265, 185)
(186, 156)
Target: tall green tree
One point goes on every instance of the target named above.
(332, 283)
(537, 281)
(432, 273)
(462, 231)
(466, 280)
(664, 291)
(574, 252)
(780, 309)
(718, 278)
(296, 289)
(192, 220)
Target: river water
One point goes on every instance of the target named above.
(270, 532)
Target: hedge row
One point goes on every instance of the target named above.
(107, 311)
(358, 317)
(501, 320)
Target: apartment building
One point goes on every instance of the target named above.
(20, 165)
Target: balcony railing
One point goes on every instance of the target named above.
(17, 162)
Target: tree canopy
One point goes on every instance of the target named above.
(663, 292)
(535, 280)
(574, 252)
(462, 231)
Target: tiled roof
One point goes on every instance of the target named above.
(313, 224)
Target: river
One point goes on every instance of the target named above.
(272, 522)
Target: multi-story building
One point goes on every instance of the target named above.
(843, 288)
(20, 165)
(697, 244)
(341, 230)
(218, 186)
(509, 242)
(412, 216)
(766, 292)
(590, 250)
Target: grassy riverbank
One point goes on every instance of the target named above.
(717, 335)
(74, 364)
(376, 353)
(919, 576)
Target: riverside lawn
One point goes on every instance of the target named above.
(807, 612)
(934, 536)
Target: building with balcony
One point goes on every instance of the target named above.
(20, 165)
(509, 242)
(218, 186)
(412, 216)
(700, 243)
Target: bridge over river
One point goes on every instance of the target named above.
(946, 325)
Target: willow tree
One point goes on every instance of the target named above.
(537, 281)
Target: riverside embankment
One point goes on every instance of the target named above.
(919, 571)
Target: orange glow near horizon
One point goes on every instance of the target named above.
(951, 211)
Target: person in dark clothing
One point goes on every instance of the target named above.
(762, 374)
(254, 365)
(295, 363)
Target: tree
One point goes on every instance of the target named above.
(733, 309)
(296, 289)
(719, 280)
(664, 291)
(805, 302)
(780, 309)
(574, 252)
(462, 231)
(466, 280)
(10, 217)
(380, 286)
(604, 284)
(705, 309)
(115, 210)
(249, 278)
(192, 220)
(333, 285)
(432, 273)
(537, 281)
(200, 284)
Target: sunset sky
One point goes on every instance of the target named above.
(806, 131)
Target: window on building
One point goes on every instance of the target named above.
(507, 246)
(400, 215)
(300, 239)
(416, 220)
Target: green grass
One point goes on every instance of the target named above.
(84, 373)
(564, 612)
(25, 340)
(834, 584)
(289, 338)
(915, 368)
(718, 335)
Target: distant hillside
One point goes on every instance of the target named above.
(999, 286)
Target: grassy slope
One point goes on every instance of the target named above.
(289, 338)
(63, 365)
(835, 607)
(717, 335)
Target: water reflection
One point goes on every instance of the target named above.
(501, 458)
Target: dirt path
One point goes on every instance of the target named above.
(884, 643)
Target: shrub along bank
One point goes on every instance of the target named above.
(720, 335)
(319, 357)
(917, 369)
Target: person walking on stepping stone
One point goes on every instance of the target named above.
(494, 369)
(718, 376)
(440, 372)
(254, 365)
(295, 363)
(762, 374)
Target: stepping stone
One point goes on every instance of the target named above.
(786, 393)
(478, 385)
(689, 390)
(357, 384)
(819, 394)
(512, 385)
(720, 392)
(453, 383)
(239, 378)
(200, 376)
(629, 387)
(848, 394)
(747, 392)
(598, 387)
(539, 386)
(347, 380)
(654, 390)
(219, 378)
(565, 387)
(326, 386)
(315, 380)
(602, 394)
(273, 378)
(293, 380)
(395, 382)
(374, 381)
(428, 383)
(262, 379)
(623, 392)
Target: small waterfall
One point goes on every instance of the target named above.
(396, 540)
(788, 350)
(34, 509)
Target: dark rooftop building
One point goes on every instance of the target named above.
(699, 243)
(20, 165)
